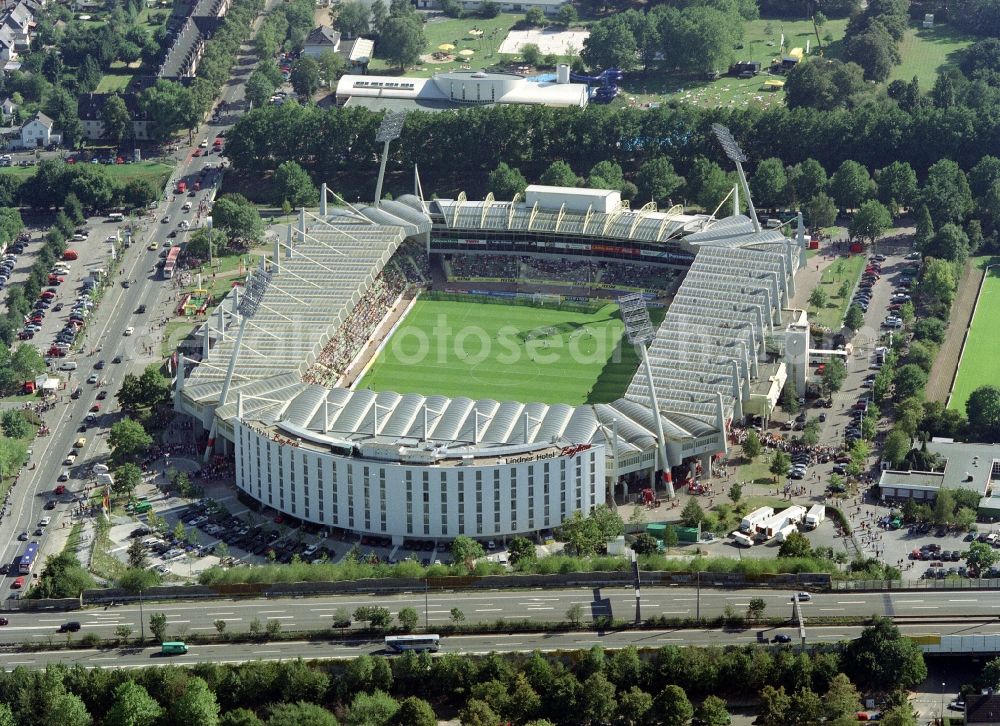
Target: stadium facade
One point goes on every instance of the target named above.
(269, 383)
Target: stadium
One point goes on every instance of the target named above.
(427, 369)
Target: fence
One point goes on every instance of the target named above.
(952, 583)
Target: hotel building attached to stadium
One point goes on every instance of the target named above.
(269, 380)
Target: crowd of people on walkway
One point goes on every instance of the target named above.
(817, 454)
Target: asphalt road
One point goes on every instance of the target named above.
(537, 605)
(104, 339)
(464, 644)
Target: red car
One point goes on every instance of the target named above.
(95, 408)
(60, 489)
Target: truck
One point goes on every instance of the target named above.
(769, 528)
(815, 515)
(757, 517)
(785, 531)
(741, 539)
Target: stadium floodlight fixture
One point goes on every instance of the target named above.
(639, 330)
(253, 292)
(635, 315)
(736, 155)
(729, 144)
(390, 129)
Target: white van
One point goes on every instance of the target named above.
(68, 366)
(116, 217)
(772, 223)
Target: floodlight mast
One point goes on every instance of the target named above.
(253, 294)
(639, 330)
(389, 131)
(736, 155)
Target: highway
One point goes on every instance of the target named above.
(131, 657)
(104, 339)
(316, 613)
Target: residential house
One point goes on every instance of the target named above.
(20, 22)
(7, 109)
(37, 131)
(8, 51)
(90, 107)
(357, 53)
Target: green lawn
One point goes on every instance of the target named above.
(760, 43)
(925, 52)
(845, 268)
(982, 347)
(153, 171)
(116, 81)
(456, 32)
(506, 352)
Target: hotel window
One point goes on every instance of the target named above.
(350, 496)
(381, 498)
(366, 495)
(461, 502)
(409, 504)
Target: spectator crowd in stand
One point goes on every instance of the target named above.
(577, 271)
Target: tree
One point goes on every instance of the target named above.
(559, 173)
(780, 464)
(875, 51)
(870, 222)
(924, 230)
(478, 713)
(259, 88)
(243, 717)
(574, 614)
(645, 544)
(820, 211)
(854, 318)
(196, 704)
(834, 375)
(807, 180)
(910, 380)
(790, 397)
(752, 448)
(136, 552)
(897, 184)
(534, 17)
(951, 243)
(775, 705)
(981, 556)
(331, 67)
(506, 181)
(990, 676)
(795, 545)
(67, 709)
(138, 193)
(127, 478)
(128, 439)
(238, 217)
(352, 19)
(520, 549)
(132, 706)
(824, 86)
(585, 535)
(305, 77)
(735, 492)
(692, 515)
(818, 298)
(408, 618)
(300, 714)
(63, 577)
(672, 706)
(597, 699)
(657, 180)
(895, 447)
(851, 185)
(707, 183)
(611, 44)
(116, 119)
(531, 54)
(377, 617)
(14, 425)
(770, 184)
(756, 608)
(982, 409)
(566, 15)
(713, 712)
(466, 550)
(457, 616)
(414, 711)
(158, 626)
(402, 40)
(946, 192)
(805, 707)
(882, 655)
(292, 184)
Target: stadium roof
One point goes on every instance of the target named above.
(703, 357)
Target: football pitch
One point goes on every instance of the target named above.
(982, 347)
(506, 352)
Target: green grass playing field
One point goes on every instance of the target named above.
(506, 352)
(982, 348)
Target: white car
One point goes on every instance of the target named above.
(44, 521)
(187, 206)
(203, 144)
(129, 330)
(804, 597)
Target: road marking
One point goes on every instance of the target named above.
(674, 612)
(973, 600)
(538, 607)
(269, 617)
(829, 610)
(489, 610)
(685, 599)
(925, 607)
(670, 639)
(213, 614)
(265, 612)
(909, 602)
(203, 628)
(175, 622)
(266, 651)
(850, 602)
(19, 662)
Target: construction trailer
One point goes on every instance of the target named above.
(757, 517)
(815, 516)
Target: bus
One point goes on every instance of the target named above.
(175, 647)
(116, 217)
(27, 562)
(400, 643)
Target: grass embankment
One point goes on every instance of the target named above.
(103, 564)
(844, 269)
(520, 353)
(982, 347)
(925, 52)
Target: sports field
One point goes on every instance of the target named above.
(982, 348)
(506, 352)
